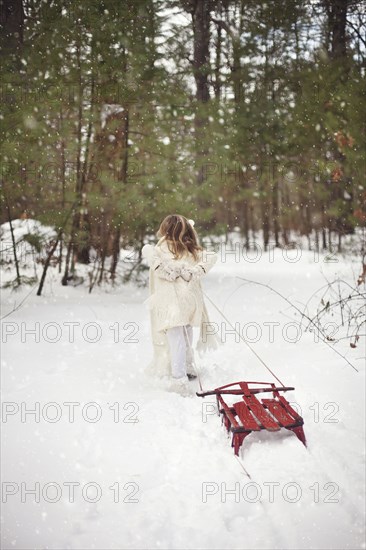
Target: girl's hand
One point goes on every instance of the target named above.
(168, 270)
(186, 274)
(192, 273)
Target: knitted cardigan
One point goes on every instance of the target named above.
(175, 303)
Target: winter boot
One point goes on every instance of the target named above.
(191, 373)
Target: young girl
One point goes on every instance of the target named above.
(177, 264)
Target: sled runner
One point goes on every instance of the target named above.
(252, 414)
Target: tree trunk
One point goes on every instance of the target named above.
(201, 39)
(246, 224)
(48, 259)
(200, 13)
(63, 181)
(218, 47)
(275, 199)
(265, 221)
(123, 179)
(324, 238)
(73, 245)
(18, 279)
(337, 14)
(12, 19)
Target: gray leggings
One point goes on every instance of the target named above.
(181, 353)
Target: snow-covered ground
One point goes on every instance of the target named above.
(158, 466)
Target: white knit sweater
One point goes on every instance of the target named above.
(174, 301)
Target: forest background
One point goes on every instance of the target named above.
(244, 115)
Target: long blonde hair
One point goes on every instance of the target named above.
(180, 235)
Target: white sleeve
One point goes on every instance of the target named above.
(164, 267)
(147, 252)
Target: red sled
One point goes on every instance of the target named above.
(252, 414)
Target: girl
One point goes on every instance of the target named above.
(177, 263)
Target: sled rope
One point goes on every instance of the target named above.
(245, 342)
(243, 467)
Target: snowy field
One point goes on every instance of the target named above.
(111, 460)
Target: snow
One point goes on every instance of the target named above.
(165, 140)
(180, 485)
(21, 228)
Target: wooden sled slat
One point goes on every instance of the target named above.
(245, 416)
(258, 410)
(279, 412)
